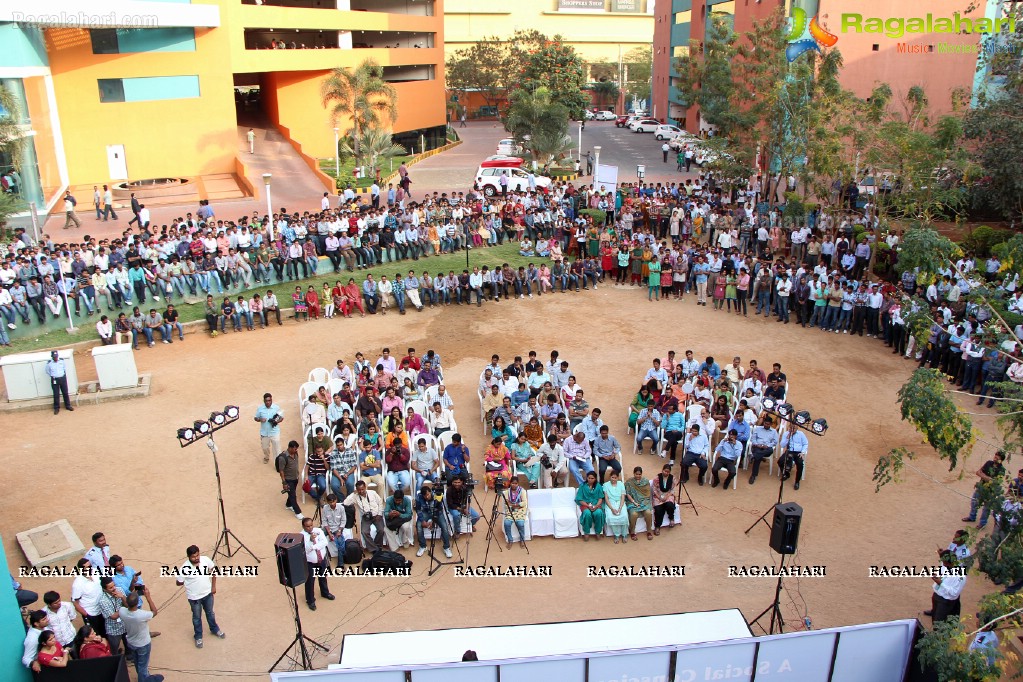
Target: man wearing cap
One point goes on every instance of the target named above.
(57, 371)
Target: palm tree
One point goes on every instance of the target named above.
(362, 96)
(607, 92)
(375, 144)
(536, 116)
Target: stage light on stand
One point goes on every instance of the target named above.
(201, 427)
(785, 410)
(186, 435)
(218, 418)
(770, 404)
(802, 418)
(232, 412)
(820, 426)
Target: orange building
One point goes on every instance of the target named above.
(114, 90)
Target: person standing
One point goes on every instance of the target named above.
(97, 202)
(135, 208)
(665, 148)
(287, 466)
(69, 211)
(461, 120)
(108, 204)
(57, 371)
(316, 560)
(269, 416)
(197, 575)
(137, 635)
(251, 137)
(990, 475)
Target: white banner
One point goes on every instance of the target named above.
(650, 666)
(732, 662)
(605, 179)
(563, 670)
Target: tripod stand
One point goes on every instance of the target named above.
(225, 532)
(302, 657)
(773, 609)
(682, 490)
(441, 516)
(498, 496)
(763, 517)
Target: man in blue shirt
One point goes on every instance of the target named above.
(794, 446)
(647, 424)
(674, 429)
(57, 371)
(762, 443)
(269, 416)
(697, 448)
(712, 368)
(727, 456)
(456, 458)
(370, 295)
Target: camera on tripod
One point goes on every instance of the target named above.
(500, 483)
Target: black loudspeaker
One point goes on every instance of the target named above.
(289, 548)
(785, 529)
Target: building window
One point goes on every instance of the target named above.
(684, 17)
(135, 40)
(148, 89)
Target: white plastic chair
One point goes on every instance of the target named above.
(319, 375)
(541, 512)
(483, 413)
(565, 512)
(418, 406)
(693, 411)
(305, 390)
(334, 386)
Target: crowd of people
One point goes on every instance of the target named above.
(115, 607)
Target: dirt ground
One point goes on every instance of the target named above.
(118, 468)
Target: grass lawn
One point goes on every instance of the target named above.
(194, 310)
(387, 166)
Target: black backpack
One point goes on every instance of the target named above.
(386, 560)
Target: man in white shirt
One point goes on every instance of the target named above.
(200, 581)
(369, 510)
(553, 471)
(99, 554)
(947, 589)
(388, 361)
(316, 563)
(60, 614)
(85, 594)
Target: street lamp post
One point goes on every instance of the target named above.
(269, 210)
(596, 163)
(579, 151)
(640, 172)
(337, 158)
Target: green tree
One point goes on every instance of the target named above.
(994, 133)
(607, 93)
(362, 97)
(11, 131)
(638, 62)
(540, 123)
(374, 144)
(556, 66)
(485, 67)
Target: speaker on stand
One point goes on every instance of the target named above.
(292, 571)
(784, 541)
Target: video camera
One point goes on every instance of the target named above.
(500, 483)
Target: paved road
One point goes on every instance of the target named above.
(623, 148)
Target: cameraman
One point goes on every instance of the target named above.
(459, 499)
(269, 416)
(429, 514)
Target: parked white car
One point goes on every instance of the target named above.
(605, 116)
(509, 147)
(589, 115)
(666, 132)
(681, 139)
(644, 125)
(489, 180)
